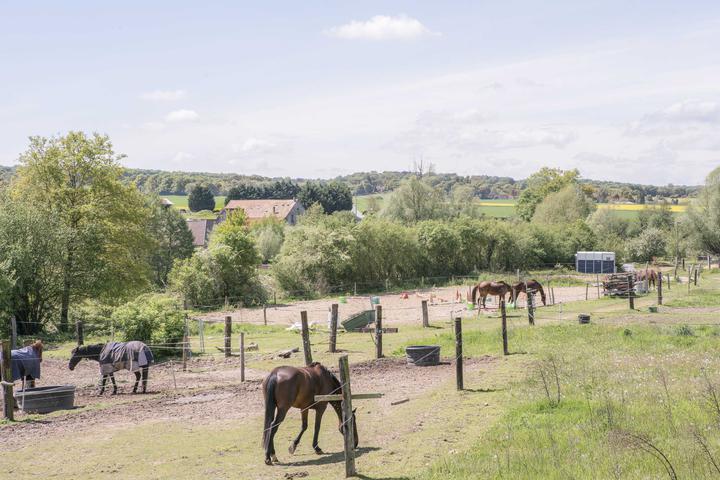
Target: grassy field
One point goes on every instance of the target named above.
(611, 399)
(506, 208)
(181, 201)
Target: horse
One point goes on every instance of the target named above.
(648, 274)
(133, 356)
(532, 285)
(287, 387)
(486, 288)
(25, 363)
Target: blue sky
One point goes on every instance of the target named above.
(620, 90)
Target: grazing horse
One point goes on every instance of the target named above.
(287, 387)
(486, 288)
(532, 285)
(648, 274)
(133, 356)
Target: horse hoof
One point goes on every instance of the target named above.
(268, 461)
(274, 459)
(319, 451)
(291, 449)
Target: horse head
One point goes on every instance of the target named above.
(356, 439)
(38, 347)
(91, 352)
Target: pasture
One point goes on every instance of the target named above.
(181, 201)
(504, 208)
(570, 401)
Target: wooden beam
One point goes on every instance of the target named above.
(373, 330)
(354, 396)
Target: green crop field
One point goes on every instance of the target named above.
(181, 201)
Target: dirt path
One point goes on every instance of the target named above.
(443, 304)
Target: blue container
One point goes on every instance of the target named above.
(375, 300)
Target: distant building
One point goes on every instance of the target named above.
(255, 210)
(200, 229)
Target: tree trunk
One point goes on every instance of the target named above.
(65, 296)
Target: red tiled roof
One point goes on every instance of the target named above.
(200, 229)
(256, 209)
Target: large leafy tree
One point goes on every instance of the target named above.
(541, 184)
(415, 201)
(172, 238)
(105, 244)
(201, 198)
(704, 215)
(567, 205)
(332, 196)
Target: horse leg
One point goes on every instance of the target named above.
(294, 444)
(318, 419)
(279, 417)
(102, 385)
(137, 381)
(112, 378)
(145, 374)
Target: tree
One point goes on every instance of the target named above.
(172, 240)
(201, 198)
(105, 244)
(269, 234)
(704, 216)
(539, 185)
(415, 201)
(332, 196)
(656, 216)
(153, 319)
(650, 244)
(564, 206)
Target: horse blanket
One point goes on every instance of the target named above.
(124, 356)
(25, 362)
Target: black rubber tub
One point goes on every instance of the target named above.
(584, 318)
(423, 355)
(46, 399)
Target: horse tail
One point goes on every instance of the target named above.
(270, 405)
(474, 292)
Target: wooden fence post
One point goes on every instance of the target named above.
(659, 289)
(531, 307)
(333, 327)
(306, 337)
(378, 332)
(79, 332)
(346, 405)
(689, 279)
(587, 287)
(242, 356)
(228, 336)
(597, 284)
(355, 289)
(696, 276)
(683, 263)
(13, 332)
(7, 386)
(668, 281)
(504, 327)
(631, 290)
(458, 354)
(425, 316)
(709, 261)
(201, 334)
(275, 298)
(265, 314)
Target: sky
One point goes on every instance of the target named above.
(621, 90)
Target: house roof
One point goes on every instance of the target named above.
(200, 228)
(166, 202)
(256, 209)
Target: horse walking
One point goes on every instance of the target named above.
(483, 289)
(287, 387)
(532, 286)
(133, 356)
(648, 274)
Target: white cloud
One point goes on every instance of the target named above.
(677, 118)
(163, 95)
(381, 27)
(253, 145)
(181, 116)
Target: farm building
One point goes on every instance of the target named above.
(200, 229)
(595, 262)
(288, 210)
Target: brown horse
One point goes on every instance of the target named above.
(648, 274)
(287, 387)
(486, 288)
(523, 287)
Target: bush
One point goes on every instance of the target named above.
(155, 319)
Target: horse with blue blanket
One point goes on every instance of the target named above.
(134, 356)
(25, 363)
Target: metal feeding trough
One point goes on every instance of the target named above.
(46, 399)
(423, 355)
(584, 318)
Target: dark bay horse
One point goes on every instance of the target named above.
(486, 288)
(287, 387)
(523, 287)
(133, 356)
(648, 274)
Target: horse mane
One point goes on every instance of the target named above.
(324, 371)
(38, 347)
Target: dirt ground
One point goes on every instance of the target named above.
(443, 304)
(209, 391)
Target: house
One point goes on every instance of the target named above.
(288, 210)
(200, 229)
